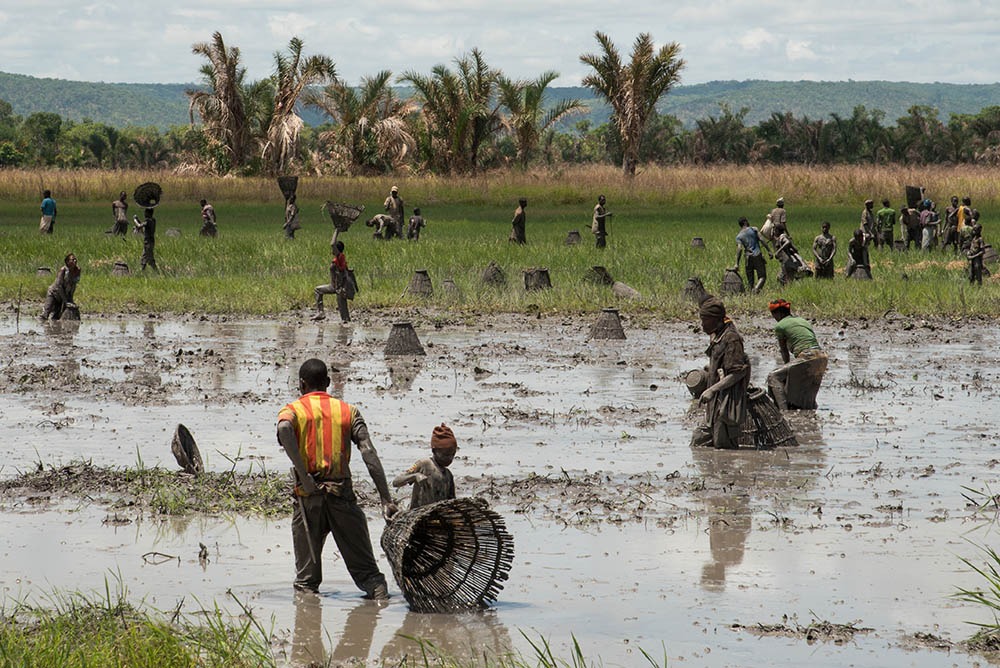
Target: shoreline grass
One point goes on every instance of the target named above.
(251, 271)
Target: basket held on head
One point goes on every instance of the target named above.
(288, 186)
(148, 195)
(343, 215)
(449, 556)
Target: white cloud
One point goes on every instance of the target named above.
(799, 50)
(755, 40)
(289, 25)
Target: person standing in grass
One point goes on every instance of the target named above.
(119, 210)
(950, 236)
(49, 210)
(517, 230)
(795, 383)
(599, 223)
(394, 207)
(725, 399)
(339, 285)
(148, 229)
(885, 221)
(417, 223)
(748, 240)
(824, 250)
(61, 292)
(778, 214)
(929, 221)
(977, 249)
(868, 223)
(316, 432)
(291, 218)
(857, 256)
(909, 226)
(208, 225)
(431, 479)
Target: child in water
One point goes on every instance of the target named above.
(431, 479)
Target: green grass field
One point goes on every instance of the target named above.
(251, 270)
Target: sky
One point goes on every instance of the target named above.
(145, 42)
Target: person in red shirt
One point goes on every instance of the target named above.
(340, 285)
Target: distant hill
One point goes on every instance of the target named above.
(163, 105)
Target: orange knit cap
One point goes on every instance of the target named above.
(442, 437)
(779, 303)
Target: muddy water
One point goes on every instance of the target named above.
(862, 524)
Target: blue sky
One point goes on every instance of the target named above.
(111, 40)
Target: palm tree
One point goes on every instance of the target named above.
(632, 89)
(529, 119)
(292, 75)
(370, 129)
(460, 112)
(222, 106)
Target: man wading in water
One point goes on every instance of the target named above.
(728, 374)
(316, 432)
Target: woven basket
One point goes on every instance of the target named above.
(186, 451)
(765, 426)
(288, 185)
(148, 195)
(449, 556)
(343, 214)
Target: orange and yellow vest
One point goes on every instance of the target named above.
(322, 426)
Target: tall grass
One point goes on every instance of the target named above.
(251, 270)
(75, 630)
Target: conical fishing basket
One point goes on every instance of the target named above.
(765, 426)
(288, 185)
(449, 556)
(148, 195)
(343, 214)
(186, 451)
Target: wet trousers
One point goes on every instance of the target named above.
(54, 307)
(321, 290)
(756, 269)
(341, 516)
(796, 384)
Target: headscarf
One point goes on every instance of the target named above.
(779, 304)
(442, 437)
(712, 307)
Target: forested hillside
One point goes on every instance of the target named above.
(163, 105)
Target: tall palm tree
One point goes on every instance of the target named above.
(529, 119)
(460, 111)
(292, 75)
(370, 122)
(632, 89)
(222, 106)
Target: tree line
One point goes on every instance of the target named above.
(469, 116)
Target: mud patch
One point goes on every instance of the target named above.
(817, 631)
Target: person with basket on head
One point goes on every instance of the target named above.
(431, 479)
(60, 293)
(316, 432)
(148, 229)
(291, 218)
(725, 399)
(340, 285)
(795, 383)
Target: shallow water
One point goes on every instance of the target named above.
(863, 523)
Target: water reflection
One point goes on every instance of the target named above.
(737, 477)
(465, 635)
(402, 372)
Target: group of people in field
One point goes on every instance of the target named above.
(921, 227)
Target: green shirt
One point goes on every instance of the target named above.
(797, 333)
(886, 218)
